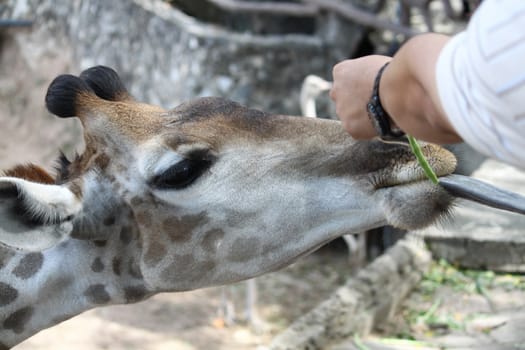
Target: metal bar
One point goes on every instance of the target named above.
(15, 23)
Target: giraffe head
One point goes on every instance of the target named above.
(212, 192)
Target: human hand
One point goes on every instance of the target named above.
(351, 91)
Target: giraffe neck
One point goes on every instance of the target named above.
(41, 289)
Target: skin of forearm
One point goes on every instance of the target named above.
(408, 90)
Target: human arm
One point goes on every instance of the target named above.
(407, 90)
(470, 87)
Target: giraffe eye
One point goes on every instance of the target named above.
(182, 174)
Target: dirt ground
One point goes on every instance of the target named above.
(451, 301)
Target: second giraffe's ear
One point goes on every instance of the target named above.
(35, 216)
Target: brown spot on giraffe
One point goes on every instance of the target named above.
(134, 269)
(7, 294)
(97, 265)
(111, 178)
(126, 235)
(29, 265)
(144, 218)
(18, 319)
(100, 242)
(244, 249)
(134, 293)
(136, 201)
(109, 221)
(180, 229)
(97, 294)
(211, 240)
(185, 267)
(116, 265)
(235, 220)
(121, 168)
(154, 254)
(102, 160)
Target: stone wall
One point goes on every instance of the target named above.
(166, 57)
(364, 302)
(29, 59)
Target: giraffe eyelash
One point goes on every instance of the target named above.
(182, 174)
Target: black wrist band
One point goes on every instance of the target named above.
(379, 117)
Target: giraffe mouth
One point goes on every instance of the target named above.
(406, 170)
(464, 187)
(408, 175)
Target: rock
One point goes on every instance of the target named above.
(480, 237)
(365, 301)
(166, 57)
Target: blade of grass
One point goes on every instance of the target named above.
(404, 343)
(422, 160)
(359, 344)
(430, 312)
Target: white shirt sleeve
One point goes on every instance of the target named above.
(480, 77)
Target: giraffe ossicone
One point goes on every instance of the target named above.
(208, 193)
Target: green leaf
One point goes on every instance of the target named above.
(422, 160)
(359, 344)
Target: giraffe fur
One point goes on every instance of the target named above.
(208, 193)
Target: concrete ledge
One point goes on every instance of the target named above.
(364, 302)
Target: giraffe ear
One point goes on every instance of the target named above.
(35, 216)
